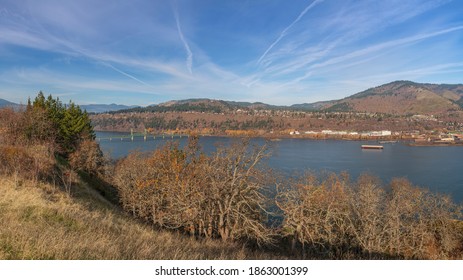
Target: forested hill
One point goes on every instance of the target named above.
(203, 105)
(404, 97)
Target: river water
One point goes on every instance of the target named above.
(438, 168)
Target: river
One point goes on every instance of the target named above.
(438, 168)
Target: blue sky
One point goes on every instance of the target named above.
(279, 52)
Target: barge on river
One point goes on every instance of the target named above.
(372, 147)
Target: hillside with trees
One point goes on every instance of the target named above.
(34, 139)
(267, 123)
(404, 97)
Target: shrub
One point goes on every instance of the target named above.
(32, 162)
(316, 213)
(88, 157)
(336, 218)
(217, 196)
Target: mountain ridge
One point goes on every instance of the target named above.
(404, 97)
(6, 103)
(102, 108)
(397, 97)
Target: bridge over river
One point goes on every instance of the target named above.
(140, 136)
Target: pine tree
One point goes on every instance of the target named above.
(67, 126)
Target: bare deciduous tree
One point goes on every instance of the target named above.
(216, 196)
(88, 157)
(334, 217)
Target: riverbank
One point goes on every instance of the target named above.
(430, 144)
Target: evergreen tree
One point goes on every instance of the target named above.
(75, 127)
(67, 126)
(39, 101)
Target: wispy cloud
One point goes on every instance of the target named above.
(285, 31)
(189, 57)
(384, 46)
(60, 82)
(338, 46)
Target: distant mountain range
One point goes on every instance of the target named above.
(92, 108)
(101, 108)
(399, 97)
(6, 103)
(313, 106)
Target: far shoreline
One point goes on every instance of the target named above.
(277, 137)
(410, 141)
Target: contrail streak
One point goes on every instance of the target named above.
(125, 74)
(386, 45)
(189, 58)
(284, 32)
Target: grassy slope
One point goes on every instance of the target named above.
(39, 221)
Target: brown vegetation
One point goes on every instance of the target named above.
(337, 219)
(218, 196)
(32, 162)
(88, 157)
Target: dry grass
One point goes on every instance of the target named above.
(39, 221)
